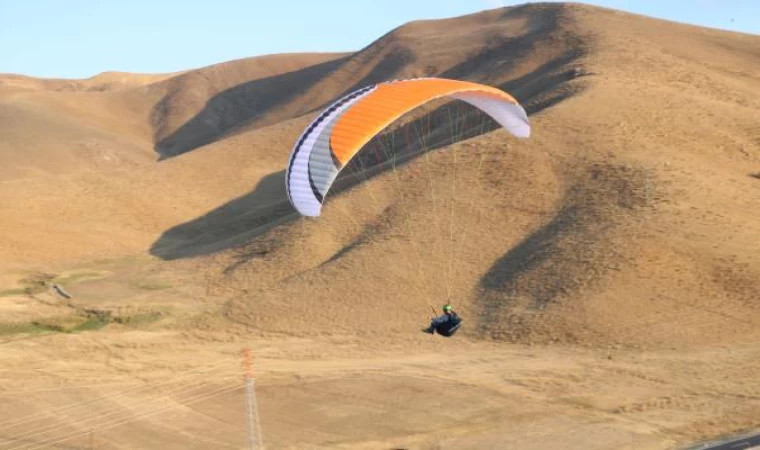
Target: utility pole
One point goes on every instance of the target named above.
(253, 427)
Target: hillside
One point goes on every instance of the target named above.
(636, 182)
(607, 267)
(79, 166)
(629, 209)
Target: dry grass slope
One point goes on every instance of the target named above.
(618, 184)
(621, 237)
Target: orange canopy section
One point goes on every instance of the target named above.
(389, 102)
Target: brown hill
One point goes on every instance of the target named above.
(635, 177)
(79, 171)
(104, 81)
(630, 208)
(628, 220)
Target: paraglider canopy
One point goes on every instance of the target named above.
(340, 131)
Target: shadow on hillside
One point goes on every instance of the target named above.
(501, 280)
(572, 252)
(229, 225)
(234, 107)
(396, 58)
(246, 217)
(755, 175)
(239, 105)
(502, 51)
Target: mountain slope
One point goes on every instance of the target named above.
(105, 142)
(630, 209)
(630, 206)
(627, 224)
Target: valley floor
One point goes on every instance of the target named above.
(175, 380)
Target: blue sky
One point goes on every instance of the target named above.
(80, 38)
